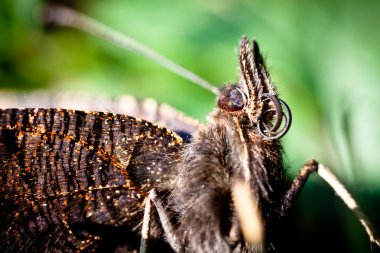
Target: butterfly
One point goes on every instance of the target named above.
(101, 181)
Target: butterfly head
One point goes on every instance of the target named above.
(254, 97)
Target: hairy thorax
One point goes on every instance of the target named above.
(219, 155)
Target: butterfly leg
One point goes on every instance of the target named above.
(146, 226)
(301, 178)
(165, 221)
(291, 195)
(167, 226)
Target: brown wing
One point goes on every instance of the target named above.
(147, 109)
(65, 171)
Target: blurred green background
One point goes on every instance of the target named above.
(324, 57)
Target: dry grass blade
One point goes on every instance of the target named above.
(342, 192)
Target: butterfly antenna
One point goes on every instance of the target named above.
(64, 16)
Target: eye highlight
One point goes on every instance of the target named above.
(232, 99)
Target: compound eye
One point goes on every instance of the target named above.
(232, 99)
